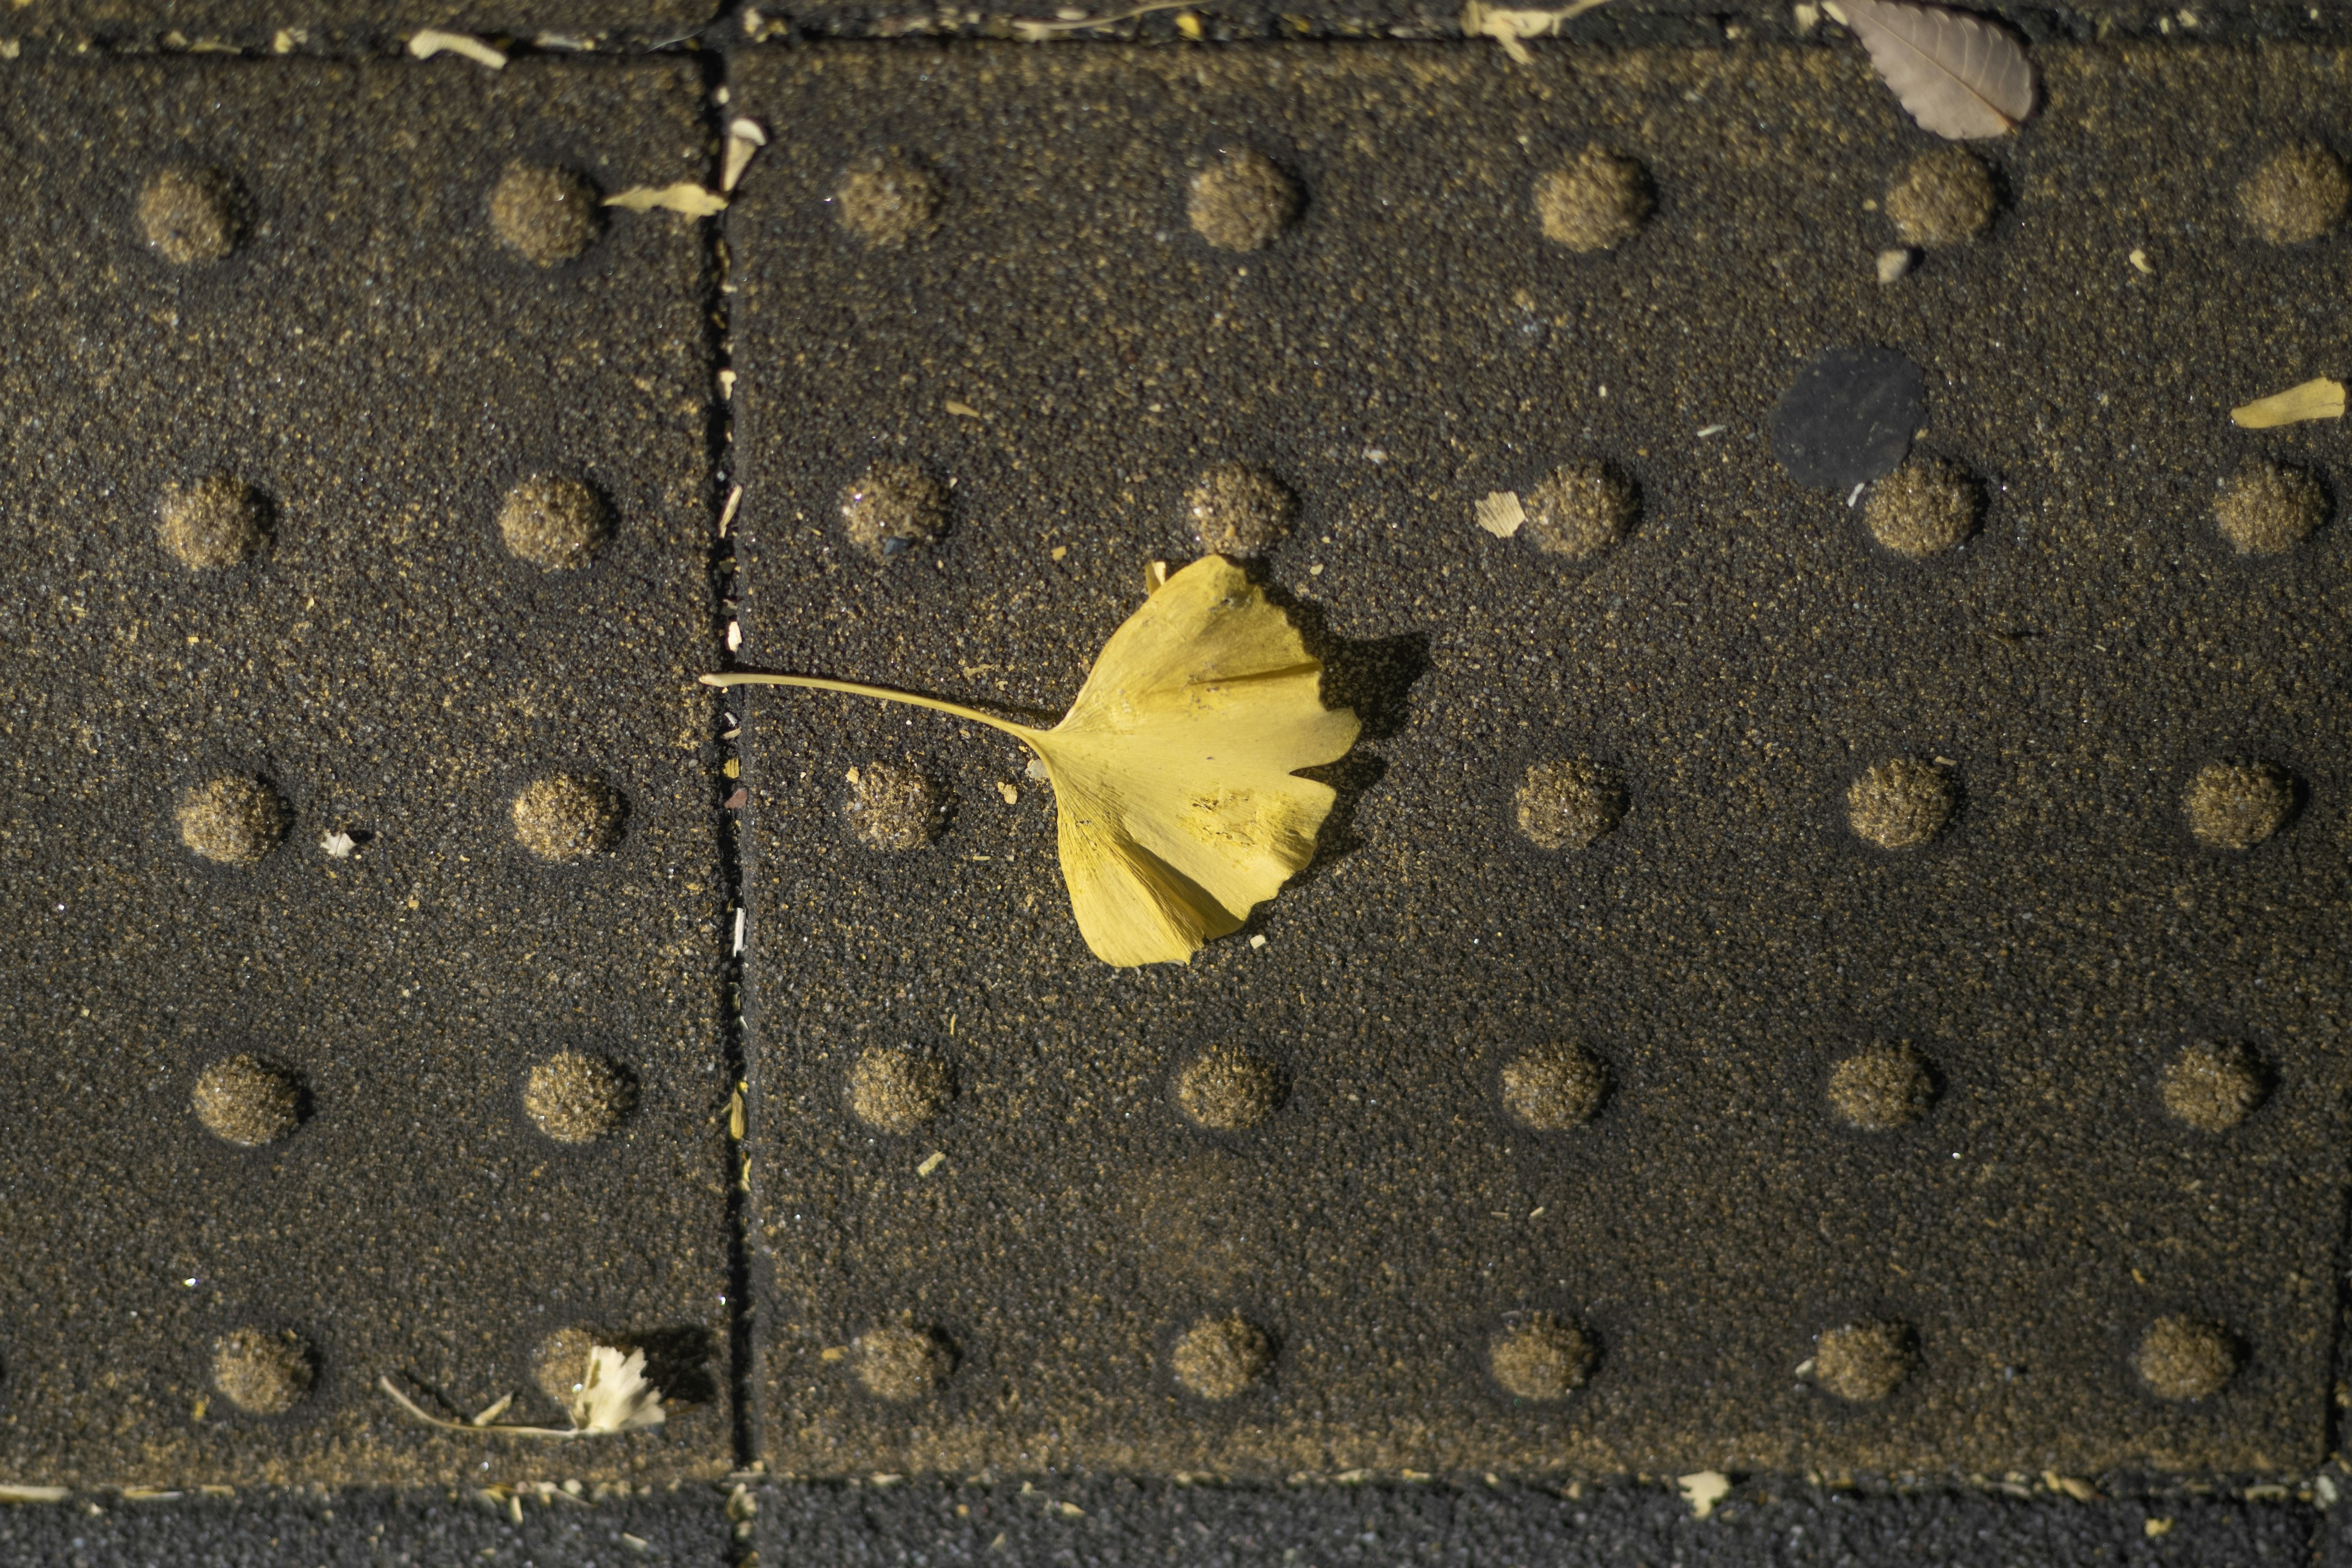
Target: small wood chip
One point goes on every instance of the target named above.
(2139, 259)
(962, 410)
(936, 1160)
(426, 42)
(736, 800)
(2318, 399)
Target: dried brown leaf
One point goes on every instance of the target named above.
(1962, 78)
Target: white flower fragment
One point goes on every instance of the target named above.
(615, 1396)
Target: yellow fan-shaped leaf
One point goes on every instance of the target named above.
(1178, 803)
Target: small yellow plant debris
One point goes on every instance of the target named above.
(1703, 1489)
(1178, 803)
(1511, 27)
(932, 1163)
(1500, 514)
(744, 138)
(2152, 1528)
(682, 198)
(1040, 32)
(426, 42)
(613, 1397)
(2317, 399)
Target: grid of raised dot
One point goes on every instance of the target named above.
(1900, 801)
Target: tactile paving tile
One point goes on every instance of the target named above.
(368, 373)
(1062, 352)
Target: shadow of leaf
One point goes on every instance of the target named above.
(1374, 676)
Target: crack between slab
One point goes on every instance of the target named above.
(728, 781)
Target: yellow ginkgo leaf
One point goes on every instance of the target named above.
(1174, 777)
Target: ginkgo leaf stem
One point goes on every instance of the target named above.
(1178, 801)
(854, 688)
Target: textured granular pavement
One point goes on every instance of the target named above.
(1061, 350)
(1836, 984)
(376, 679)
